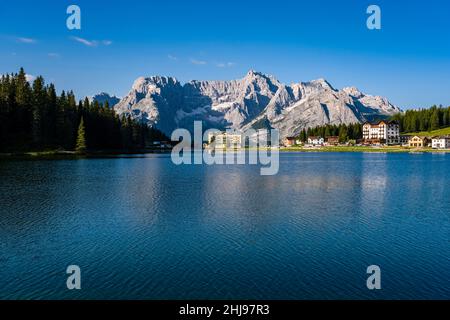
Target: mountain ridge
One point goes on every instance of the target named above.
(167, 104)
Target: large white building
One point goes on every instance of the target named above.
(442, 142)
(383, 132)
(224, 140)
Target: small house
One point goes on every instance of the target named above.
(419, 142)
(289, 141)
(332, 140)
(442, 142)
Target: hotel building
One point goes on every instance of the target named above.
(224, 140)
(382, 132)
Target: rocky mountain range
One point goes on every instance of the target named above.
(255, 101)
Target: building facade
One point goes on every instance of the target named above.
(332, 140)
(404, 140)
(316, 141)
(382, 132)
(419, 142)
(440, 142)
(224, 140)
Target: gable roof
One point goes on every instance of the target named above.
(381, 121)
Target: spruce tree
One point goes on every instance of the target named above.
(327, 131)
(434, 121)
(343, 134)
(81, 138)
(39, 112)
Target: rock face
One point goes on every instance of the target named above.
(256, 101)
(103, 97)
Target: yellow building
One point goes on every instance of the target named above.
(419, 142)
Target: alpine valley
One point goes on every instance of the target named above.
(255, 101)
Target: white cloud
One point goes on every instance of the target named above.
(171, 57)
(198, 62)
(225, 65)
(89, 43)
(53, 55)
(92, 43)
(26, 40)
(30, 77)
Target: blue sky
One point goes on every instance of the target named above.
(408, 60)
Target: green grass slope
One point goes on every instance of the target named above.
(440, 132)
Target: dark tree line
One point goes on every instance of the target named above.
(430, 119)
(345, 132)
(34, 117)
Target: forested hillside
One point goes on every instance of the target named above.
(430, 119)
(34, 117)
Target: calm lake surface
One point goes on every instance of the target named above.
(144, 228)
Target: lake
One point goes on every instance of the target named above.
(141, 227)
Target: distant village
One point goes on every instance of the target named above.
(376, 134)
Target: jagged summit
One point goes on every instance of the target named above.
(256, 98)
(103, 97)
(252, 74)
(141, 82)
(353, 91)
(322, 83)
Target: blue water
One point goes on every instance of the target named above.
(143, 228)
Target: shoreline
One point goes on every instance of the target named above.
(64, 154)
(61, 154)
(366, 149)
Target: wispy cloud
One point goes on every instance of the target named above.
(172, 57)
(225, 64)
(198, 62)
(89, 43)
(30, 77)
(92, 43)
(53, 55)
(25, 40)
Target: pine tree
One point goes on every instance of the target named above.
(357, 132)
(39, 104)
(343, 134)
(303, 136)
(447, 112)
(81, 138)
(434, 121)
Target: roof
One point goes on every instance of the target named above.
(381, 121)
